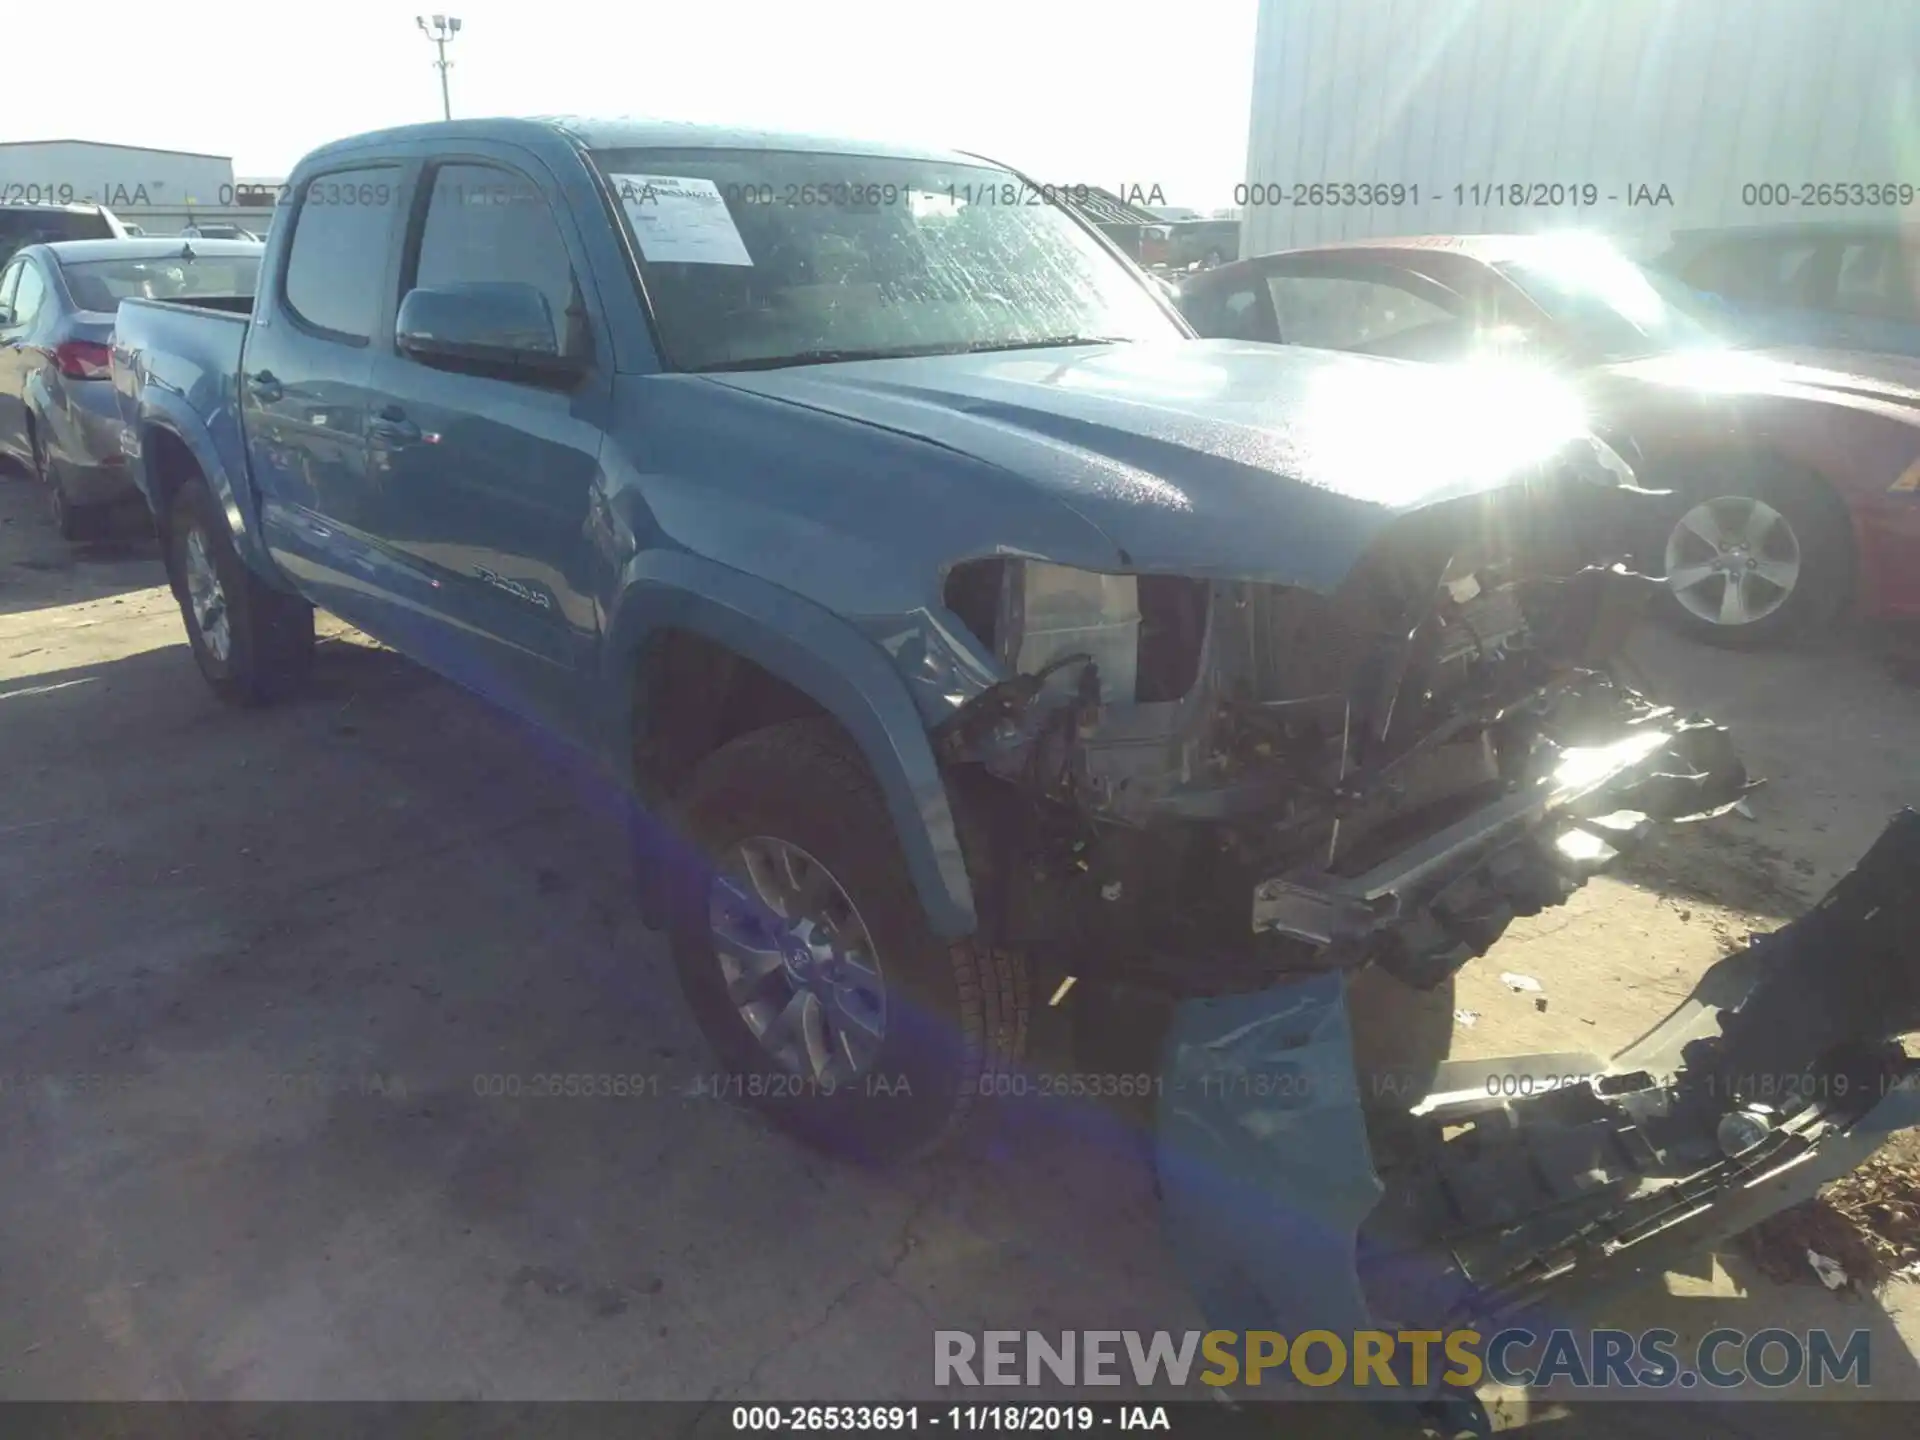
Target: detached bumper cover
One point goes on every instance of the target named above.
(1298, 1195)
(1620, 765)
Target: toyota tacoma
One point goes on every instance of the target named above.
(974, 638)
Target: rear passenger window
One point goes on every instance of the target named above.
(338, 260)
(486, 225)
(1869, 282)
(1768, 273)
(29, 295)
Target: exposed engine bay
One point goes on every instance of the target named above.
(1202, 785)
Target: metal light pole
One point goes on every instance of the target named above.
(442, 30)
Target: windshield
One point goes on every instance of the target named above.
(1611, 305)
(102, 284)
(756, 259)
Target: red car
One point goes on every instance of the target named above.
(1795, 474)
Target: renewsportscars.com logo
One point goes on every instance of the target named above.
(1594, 1360)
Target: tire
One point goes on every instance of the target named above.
(74, 522)
(1796, 578)
(953, 1015)
(264, 648)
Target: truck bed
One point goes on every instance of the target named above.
(187, 355)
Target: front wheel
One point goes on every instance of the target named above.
(1752, 556)
(254, 644)
(807, 959)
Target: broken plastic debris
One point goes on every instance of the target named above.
(1829, 1271)
(1519, 983)
(1465, 1018)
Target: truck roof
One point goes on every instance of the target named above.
(624, 133)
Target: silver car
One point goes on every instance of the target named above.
(57, 302)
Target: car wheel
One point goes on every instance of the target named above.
(74, 522)
(1752, 558)
(806, 957)
(254, 644)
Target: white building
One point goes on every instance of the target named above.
(1634, 117)
(158, 190)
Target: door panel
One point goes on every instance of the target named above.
(304, 395)
(480, 486)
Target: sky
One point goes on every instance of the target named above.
(1070, 91)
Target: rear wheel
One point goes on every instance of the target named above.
(1752, 555)
(807, 959)
(254, 644)
(74, 522)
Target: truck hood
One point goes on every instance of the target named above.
(1215, 457)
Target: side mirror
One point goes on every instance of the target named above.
(503, 328)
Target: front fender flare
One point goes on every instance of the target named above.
(825, 658)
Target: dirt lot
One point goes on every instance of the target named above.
(258, 969)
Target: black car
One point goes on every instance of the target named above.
(24, 224)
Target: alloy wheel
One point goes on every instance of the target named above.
(208, 597)
(799, 963)
(1733, 560)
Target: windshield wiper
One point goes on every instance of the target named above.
(830, 357)
(1052, 342)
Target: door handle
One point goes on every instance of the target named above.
(265, 386)
(390, 425)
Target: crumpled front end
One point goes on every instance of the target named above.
(1204, 786)
(1300, 1194)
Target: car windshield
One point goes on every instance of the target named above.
(1611, 305)
(758, 259)
(102, 284)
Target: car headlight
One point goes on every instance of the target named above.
(1049, 612)
(1034, 615)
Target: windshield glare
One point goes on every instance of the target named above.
(1614, 307)
(102, 284)
(757, 259)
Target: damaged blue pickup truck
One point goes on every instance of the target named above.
(972, 635)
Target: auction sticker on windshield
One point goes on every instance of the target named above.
(680, 218)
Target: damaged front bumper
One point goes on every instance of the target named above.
(1609, 768)
(1301, 1195)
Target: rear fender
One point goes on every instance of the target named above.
(218, 450)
